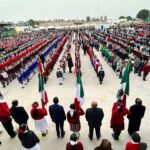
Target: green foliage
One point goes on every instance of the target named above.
(122, 17)
(32, 22)
(88, 19)
(143, 14)
(129, 18)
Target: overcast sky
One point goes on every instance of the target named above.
(16, 10)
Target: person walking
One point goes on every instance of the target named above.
(74, 144)
(28, 138)
(59, 75)
(101, 75)
(137, 113)
(70, 62)
(18, 113)
(94, 117)
(38, 115)
(58, 116)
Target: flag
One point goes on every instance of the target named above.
(80, 91)
(125, 79)
(44, 97)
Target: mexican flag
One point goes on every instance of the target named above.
(44, 97)
(125, 84)
(80, 91)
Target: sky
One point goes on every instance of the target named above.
(22, 10)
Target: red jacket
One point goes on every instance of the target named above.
(79, 146)
(4, 111)
(38, 114)
(123, 103)
(146, 69)
(132, 146)
(76, 118)
(117, 119)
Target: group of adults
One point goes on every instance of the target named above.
(93, 115)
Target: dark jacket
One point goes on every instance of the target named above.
(101, 74)
(57, 113)
(70, 63)
(28, 139)
(59, 74)
(137, 113)
(94, 116)
(19, 115)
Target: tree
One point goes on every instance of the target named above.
(88, 19)
(143, 14)
(122, 17)
(129, 18)
(32, 22)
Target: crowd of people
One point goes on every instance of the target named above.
(94, 116)
(113, 49)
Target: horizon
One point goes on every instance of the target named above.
(16, 10)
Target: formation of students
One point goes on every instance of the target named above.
(13, 67)
(93, 115)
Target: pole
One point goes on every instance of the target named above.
(98, 9)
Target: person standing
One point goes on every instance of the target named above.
(136, 144)
(94, 117)
(5, 78)
(38, 115)
(5, 118)
(74, 144)
(117, 120)
(58, 116)
(73, 117)
(70, 62)
(18, 113)
(28, 138)
(137, 113)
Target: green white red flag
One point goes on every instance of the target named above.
(44, 96)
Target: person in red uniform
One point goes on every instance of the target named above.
(135, 144)
(117, 119)
(5, 118)
(74, 144)
(38, 115)
(146, 71)
(73, 117)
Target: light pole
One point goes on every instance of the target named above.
(98, 9)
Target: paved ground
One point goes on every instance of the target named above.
(105, 95)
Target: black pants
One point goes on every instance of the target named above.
(97, 131)
(117, 134)
(144, 76)
(70, 70)
(9, 127)
(60, 128)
